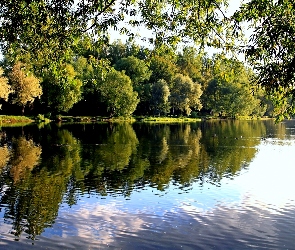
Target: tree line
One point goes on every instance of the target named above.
(44, 33)
(121, 79)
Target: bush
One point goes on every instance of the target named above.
(48, 115)
(40, 118)
(194, 114)
(58, 118)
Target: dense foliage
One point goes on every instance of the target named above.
(271, 50)
(5, 88)
(25, 86)
(52, 26)
(120, 81)
(64, 44)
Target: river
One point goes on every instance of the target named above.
(205, 185)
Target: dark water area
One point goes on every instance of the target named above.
(205, 185)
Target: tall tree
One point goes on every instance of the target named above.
(117, 92)
(229, 92)
(136, 69)
(5, 88)
(139, 74)
(271, 50)
(190, 62)
(118, 50)
(185, 94)
(162, 68)
(25, 85)
(62, 88)
(160, 94)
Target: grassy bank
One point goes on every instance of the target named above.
(240, 118)
(168, 119)
(10, 119)
(63, 118)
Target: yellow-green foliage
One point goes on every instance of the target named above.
(4, 156)
(25, 157)
(26, 86)
(8, 120)
(170, 119)
(5, 88)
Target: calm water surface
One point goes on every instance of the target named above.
(207, 185)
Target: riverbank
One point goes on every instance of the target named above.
(15, 120)
(8, 120)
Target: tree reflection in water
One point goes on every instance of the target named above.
(114, 160)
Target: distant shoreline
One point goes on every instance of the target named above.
(23, 120)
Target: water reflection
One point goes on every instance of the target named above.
(44, 169)
(4, 156)
(174, 153)
(230, 145)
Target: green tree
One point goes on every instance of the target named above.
(25, 86)
(191, 63)
(115, 51)
(139, 74)
(62, 88)
(91, 72)
(160, 94)
(118, 50)
(185, 94)
(270, 49)
(53, 25)
(135, 68)
(228, 99)
(117, 92)
(162, 68)
(229, 92)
